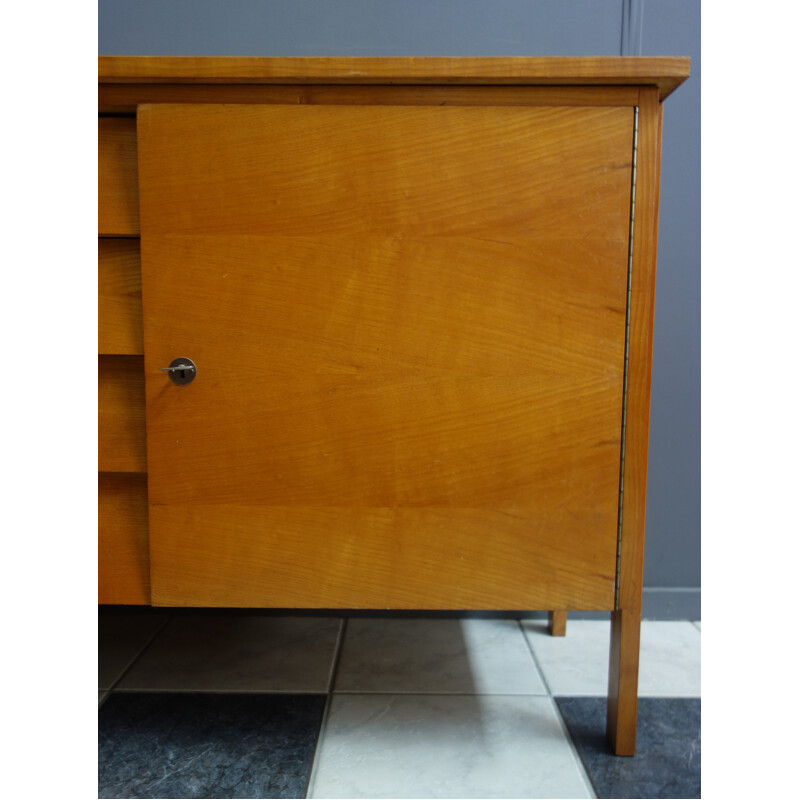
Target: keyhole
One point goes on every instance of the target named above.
(182, 371)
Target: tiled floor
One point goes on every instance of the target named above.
(250, 705)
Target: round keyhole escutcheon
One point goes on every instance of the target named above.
(182, 371)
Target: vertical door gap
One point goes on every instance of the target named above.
(627, 348)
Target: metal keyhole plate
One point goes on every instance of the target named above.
(181, 371)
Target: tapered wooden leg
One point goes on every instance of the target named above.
(623, 681)
(557, 623)
(623, 674)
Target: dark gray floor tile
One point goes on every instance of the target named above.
(667, 760)
(120, 638)
(207, 745)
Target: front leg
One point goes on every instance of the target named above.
(623, 681)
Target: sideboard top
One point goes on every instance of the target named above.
(665, 72)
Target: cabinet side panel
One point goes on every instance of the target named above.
(640, 354)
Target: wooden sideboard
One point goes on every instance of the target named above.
(412, 300)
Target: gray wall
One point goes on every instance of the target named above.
(517, 27)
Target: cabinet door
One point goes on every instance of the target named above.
(408, 325)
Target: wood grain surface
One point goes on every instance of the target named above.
(125, 97)
(238, 555)
(624, 651)
(121, 414)
(124, 563)
(118, 191)
(386, 171)
(408, 324)
(557, 623)
(666, 73)
(119, 309)
(642, 314)
(623, 681)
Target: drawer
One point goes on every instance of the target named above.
(123, 556)
(118, 190)
(121, 425)
(119, 309)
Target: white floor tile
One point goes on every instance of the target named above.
(577, 664)
(435, 746)
(437, 656)
(238, 653)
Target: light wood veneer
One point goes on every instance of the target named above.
(420, 300)
(118, 187)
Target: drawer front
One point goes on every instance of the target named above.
(118, 189)
(409, 327)
(121, 414)
(124, 562)
(119, 309)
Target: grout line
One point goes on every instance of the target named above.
(312, 773)
(564, 729)
(577, 756)
(535, 660)
(136, 657)
(336, 655)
